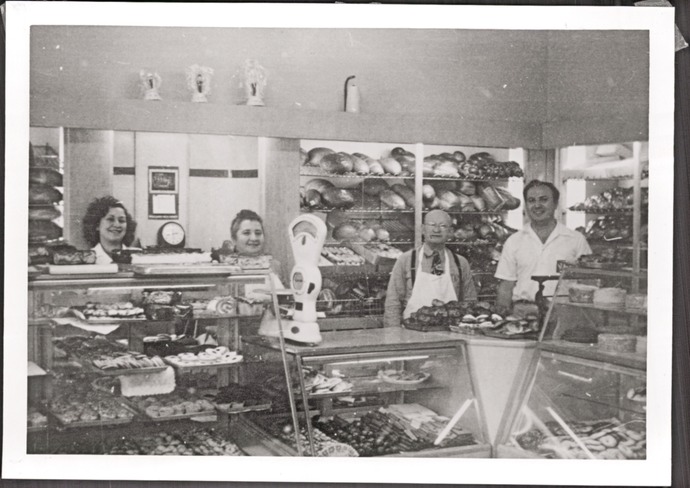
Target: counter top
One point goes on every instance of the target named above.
(366, 340)
(484, 341)
(125, 278)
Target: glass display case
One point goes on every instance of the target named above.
(585, 396)
(136, 364)
(375, 392)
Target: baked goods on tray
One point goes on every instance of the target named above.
(604, 439)
(74, 256)
(578, 293)
(127, 361)
(610, 297)
(212, 356)
(75, 410)
(246, 262)
(177, 404)
(196, 442)
(118, 310)
(617, 342)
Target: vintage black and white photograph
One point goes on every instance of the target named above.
(367, 243)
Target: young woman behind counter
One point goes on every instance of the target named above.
(108, 226)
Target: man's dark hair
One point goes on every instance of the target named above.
(554, 191)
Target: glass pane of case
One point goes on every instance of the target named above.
(416, 402)
(600, 312)
(580, 409)
(586, 396)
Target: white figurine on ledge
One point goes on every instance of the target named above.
(254, 82)
(199, 81)
(150, 83)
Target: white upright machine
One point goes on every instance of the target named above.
(307, 234)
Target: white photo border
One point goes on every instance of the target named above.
(655, 470)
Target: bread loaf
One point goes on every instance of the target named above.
(581, 293)
(43, 194)
(392, 200)
(405, 192)
(613, 297)
(314, 155)
(44, 230)
(44, 212)
(374, 187)
(318, 184)
(338, 198)
(45, 176)
(66, 256)
(336, 163)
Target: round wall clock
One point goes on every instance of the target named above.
(171, 234)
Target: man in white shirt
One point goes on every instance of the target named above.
(536, 249)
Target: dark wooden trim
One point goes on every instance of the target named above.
(209, 173)
(245, 173)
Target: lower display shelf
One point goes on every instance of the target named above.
(595, 353)
(234, 410)
(283, 443)
(375, 385)
(186, 438)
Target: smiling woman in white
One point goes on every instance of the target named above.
(537, 248)
(108, 226)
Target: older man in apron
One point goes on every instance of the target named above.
(431, 272)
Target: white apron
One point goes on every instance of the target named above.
(428, 286)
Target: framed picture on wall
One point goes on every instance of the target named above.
(163, 179)
(163, 192)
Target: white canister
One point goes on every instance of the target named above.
(351, 96)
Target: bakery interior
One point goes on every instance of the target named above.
(472, 114)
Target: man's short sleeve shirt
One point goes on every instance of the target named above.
(524, 256)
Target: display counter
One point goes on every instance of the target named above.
(387, 391)
(498, 365)
(585, 393)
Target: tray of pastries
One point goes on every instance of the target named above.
(173, 406)
(89, 411)
(211, 357)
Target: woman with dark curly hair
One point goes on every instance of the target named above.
(108, 226)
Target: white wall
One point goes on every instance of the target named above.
(213, 202)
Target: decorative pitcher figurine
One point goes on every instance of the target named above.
(150, 83)
(254, 82)
(199, 81)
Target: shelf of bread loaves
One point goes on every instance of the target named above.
(613, 200)
(400, 162)
(45, 196)
(455, 183)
